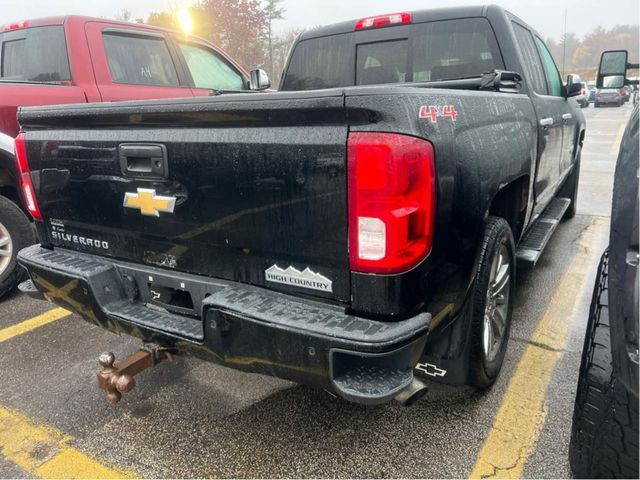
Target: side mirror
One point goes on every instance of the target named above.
(573, 87)
(259, 80)
(613, 69)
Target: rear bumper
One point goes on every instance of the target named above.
(241, 326)
(608, 100)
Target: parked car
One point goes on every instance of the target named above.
(592, 91)
(80, 59)
(357, 231)
(583, 98)
(604, 433)
(608, 95)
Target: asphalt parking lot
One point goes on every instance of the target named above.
(193, 419)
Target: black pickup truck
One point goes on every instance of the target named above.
(357, 230)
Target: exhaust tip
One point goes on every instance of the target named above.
(412, 393)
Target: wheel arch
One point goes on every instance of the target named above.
(510, 202)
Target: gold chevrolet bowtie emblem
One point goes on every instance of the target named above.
(148, 202)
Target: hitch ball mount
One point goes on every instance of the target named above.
(118, 378)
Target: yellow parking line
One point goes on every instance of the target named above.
(522, 413)
(35, 322)
(44, 452)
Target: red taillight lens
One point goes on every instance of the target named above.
(391, 201)
(383, 20)
(24, 174)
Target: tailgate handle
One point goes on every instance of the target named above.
(145, 160)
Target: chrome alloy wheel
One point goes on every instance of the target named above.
(497, 306)
(6, 248)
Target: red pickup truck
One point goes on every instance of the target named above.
(76, 59)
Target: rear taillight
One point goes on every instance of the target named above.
(383, 20)
(24, 175)
(391, 201)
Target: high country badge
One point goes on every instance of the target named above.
(305, 279)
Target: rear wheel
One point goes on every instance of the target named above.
(15, 233)
(604, 433)
(492, 303)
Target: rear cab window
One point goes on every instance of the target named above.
(438, 50)
(36, 54)
(140, 59)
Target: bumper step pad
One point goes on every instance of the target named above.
(532, 245)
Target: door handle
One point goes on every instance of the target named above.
(546, 122)
(144, 160)
(567, 116)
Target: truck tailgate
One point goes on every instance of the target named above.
(242, 187)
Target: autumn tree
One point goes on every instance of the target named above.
(274, 11)
(281, 46)
(164, 19)
(123, 15)
(237, 26)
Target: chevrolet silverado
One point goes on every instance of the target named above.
(357, 231)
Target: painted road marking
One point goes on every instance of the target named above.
(615, 147)
(44, 452)
(36, 322)
(522, 413)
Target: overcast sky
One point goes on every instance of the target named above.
(546, 16)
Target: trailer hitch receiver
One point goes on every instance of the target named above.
(118, 378)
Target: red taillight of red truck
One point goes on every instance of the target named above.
(392, 198)
(24, 176)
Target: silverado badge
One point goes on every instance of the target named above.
(305, 279)
(148, 202)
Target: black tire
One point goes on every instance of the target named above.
(21, 235)
(482, 371)
(570, 189)
(604, 433)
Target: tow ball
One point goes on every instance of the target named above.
(118, 378)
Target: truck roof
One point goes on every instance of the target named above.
(77, 19)
(419, 16)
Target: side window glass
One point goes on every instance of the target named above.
(140, 60)
(208, 70)
(40, 55)
(532, 65)
(550, 69)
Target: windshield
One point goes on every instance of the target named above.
(443, 50)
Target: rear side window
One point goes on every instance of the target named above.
(37, 54)
(441, 50)
(531, 60)
(209, 70)
(325, 62)
(140, 60)
(550, 69)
